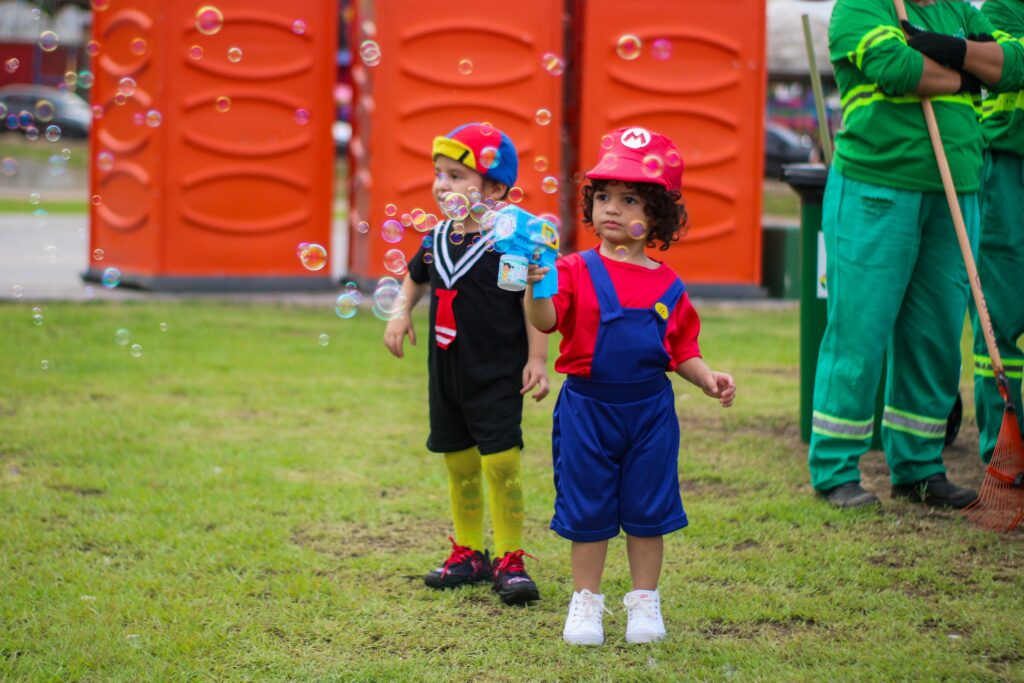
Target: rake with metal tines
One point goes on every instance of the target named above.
(1000, 503)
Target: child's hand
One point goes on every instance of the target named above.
(535, 273)
(719, 385)
(395, 332)
(535, 374)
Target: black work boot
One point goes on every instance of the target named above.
(849, 495)
(936, 491)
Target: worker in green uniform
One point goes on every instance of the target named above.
(897, 285)
(1001, 254)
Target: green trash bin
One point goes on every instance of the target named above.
(808, 180)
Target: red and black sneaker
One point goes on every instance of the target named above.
(512, 582)
(464, 566)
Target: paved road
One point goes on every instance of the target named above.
(46, 257)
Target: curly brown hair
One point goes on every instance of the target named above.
(665, 210)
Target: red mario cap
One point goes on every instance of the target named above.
(637, 155)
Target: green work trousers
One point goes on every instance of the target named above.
(1001, 269)
(897, 292)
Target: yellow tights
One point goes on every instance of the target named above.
(505, 495)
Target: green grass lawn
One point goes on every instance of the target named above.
(242, 503)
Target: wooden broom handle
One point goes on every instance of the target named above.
(961, 229)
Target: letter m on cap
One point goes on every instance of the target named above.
(635, 138)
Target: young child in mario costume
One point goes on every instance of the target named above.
(625, 321)
(483, 358)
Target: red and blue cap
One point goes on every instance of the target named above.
(483, 148)
(637, 155)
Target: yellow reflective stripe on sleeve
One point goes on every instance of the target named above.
(876, 95)
(1014, 367)
(872, 38)
(1006, 102)
(856, 92)
(918, 425)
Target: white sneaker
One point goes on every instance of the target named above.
(645, 624)
(583, 624)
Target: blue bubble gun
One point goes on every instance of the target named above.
(520, 233)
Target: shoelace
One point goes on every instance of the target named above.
(460, 553)
(645, 605)
(585, 608)
(512, 562)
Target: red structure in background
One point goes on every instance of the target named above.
(691, 78)
(442, 64)
(700, 80)
(208, 171)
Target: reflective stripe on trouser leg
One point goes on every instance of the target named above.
(924, 357)
(871, 238)
(1000, 265)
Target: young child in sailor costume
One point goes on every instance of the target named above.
(625, 321)
(483, 358)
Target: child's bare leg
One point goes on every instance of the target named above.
(588, 565)
(645, 556)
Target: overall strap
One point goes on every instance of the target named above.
(667, 301)
(607, 299)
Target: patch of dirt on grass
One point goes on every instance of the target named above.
(717, 628)
(344, 540)
(706, 487)
(77, 490)
(313, 476)
(747, 544)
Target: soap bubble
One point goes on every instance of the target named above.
(235, 55)
(127, 86)
(621, 252)
(111, 278)
(209, 20)
(516, 195)
(363, 227)
(390, 209)
(637, 230)
(540, 164)
(12, 64)
(347, 304)
(607, 142)
(465, 66)
(490, 157)
(136, 351)
(138, 46)
(394, 261)
(123, 336)
(324, 339)
(369, 52)
(302, 116)
(222, 104)
(552, 63)
(45, 110)
(105, 161)
(48, 41)
(313, 257)
(455, 206)
(628, 47)
(661, 49)
(298, 27)
(549, 185)
(97, 254)
(388, 299)
(673, 159)
(154, 118)
(9, 166)
(195, 52)
(53, 133)
(543, 117)
(392, 231)
(92, 48)
(652, 166)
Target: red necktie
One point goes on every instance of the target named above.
(444, 323)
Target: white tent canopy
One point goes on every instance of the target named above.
(787, 51)
(19, 24)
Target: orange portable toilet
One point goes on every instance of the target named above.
(422, 68)
(212, 151)
(695, 71)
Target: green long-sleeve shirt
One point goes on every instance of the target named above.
(1003, 113)
(884, 138)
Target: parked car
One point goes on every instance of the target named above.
(70, 112)
(783, 146)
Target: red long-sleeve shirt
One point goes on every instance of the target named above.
(578, 313)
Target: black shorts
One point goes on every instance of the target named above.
(472, 411)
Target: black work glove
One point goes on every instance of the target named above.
(948, 51)
(970, 83)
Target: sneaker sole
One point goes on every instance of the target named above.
(640, 638)
(583, 640)
(438, 584)
(519, 596)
